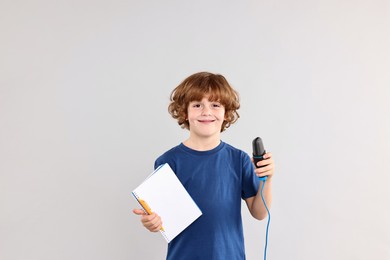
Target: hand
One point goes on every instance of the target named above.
(269, 166)
(151, 222)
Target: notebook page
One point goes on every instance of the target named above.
(166, 196)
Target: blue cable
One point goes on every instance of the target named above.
(269, 218)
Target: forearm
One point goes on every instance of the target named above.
(257, 207)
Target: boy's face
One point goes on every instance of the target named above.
(205, 118)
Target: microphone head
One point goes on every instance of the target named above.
(258, 147)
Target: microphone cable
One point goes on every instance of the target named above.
(269, 219)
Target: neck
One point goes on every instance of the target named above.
(202, 144)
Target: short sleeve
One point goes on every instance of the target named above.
(250, 182)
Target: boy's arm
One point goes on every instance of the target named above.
(255, 204)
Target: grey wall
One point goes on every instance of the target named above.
(84, 87)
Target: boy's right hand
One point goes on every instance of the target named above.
(152, 222)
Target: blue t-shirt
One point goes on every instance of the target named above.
(217, 180)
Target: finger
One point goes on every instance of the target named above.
(153, 224)
(269, 174)
(265, 162)
(265, 168)
(156, 227)
(150, 220)
(139, 212)
(267, 155)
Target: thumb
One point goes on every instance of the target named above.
(138, 212)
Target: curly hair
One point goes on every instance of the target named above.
(199, 85)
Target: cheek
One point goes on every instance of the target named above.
(223, 115)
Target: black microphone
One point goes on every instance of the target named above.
(258, 152)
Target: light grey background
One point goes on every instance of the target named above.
(84, 87)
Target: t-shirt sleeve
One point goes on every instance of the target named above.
(250, 182)
(157, 163)
(165, 159)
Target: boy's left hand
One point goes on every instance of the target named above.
(269, 166)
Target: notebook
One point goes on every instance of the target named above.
(164, 194)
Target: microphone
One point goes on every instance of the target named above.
(258, 152)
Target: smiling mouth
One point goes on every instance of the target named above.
(206, 121)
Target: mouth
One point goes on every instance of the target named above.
(206, 121)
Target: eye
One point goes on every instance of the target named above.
(217, 105)
(196, 105)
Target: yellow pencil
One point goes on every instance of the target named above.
(147, 208)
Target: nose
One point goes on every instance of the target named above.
(206, 110)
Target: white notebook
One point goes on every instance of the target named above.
(165, 195)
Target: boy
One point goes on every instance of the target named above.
(215, 174)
